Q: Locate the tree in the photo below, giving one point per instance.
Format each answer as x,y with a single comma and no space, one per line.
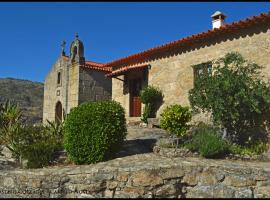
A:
237,97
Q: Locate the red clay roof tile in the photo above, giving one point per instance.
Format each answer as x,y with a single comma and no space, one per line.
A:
125,69
136,58
97,66
144,55
94,65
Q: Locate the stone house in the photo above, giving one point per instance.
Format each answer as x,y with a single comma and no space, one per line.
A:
72,81
171,67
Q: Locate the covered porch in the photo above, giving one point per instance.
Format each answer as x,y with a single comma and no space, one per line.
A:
127,82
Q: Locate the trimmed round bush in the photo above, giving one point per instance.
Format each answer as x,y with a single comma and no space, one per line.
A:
174,119
94,131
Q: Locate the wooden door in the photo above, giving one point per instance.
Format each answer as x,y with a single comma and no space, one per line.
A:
135,102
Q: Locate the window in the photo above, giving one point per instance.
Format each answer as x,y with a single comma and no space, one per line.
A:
59,78
202,70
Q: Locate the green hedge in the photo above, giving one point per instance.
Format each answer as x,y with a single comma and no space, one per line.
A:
94,131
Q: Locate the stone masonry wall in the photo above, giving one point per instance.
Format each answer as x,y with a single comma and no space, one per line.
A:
66,92
173,72
51,88
94,86
73,90
144,175
118,93
77,86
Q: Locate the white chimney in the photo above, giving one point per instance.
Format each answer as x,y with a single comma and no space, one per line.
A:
218,19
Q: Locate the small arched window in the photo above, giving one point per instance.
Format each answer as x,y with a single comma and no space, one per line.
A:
59,78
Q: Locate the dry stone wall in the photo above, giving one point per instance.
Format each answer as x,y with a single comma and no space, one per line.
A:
145,175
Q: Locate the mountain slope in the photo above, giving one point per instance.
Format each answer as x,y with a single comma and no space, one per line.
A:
28,95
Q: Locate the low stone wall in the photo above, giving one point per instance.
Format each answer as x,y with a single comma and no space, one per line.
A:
183,152
174,152
144,175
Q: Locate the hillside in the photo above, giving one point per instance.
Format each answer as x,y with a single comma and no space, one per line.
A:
28,95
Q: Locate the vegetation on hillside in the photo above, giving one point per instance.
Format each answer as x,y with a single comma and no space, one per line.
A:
27,94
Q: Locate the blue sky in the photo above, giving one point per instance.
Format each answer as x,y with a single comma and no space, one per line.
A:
31,33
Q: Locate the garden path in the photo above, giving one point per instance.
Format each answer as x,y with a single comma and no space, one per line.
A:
140,140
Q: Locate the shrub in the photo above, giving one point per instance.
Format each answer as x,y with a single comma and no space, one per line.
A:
150,94
37,145
34,143
255,149
174,119
39,154
10,125
207,142
237,98
152,98
56,131
94,131
146,113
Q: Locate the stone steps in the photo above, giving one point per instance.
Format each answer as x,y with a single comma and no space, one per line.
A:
133,121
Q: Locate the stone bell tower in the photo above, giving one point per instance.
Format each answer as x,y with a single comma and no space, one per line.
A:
76,62
72,81
77,51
